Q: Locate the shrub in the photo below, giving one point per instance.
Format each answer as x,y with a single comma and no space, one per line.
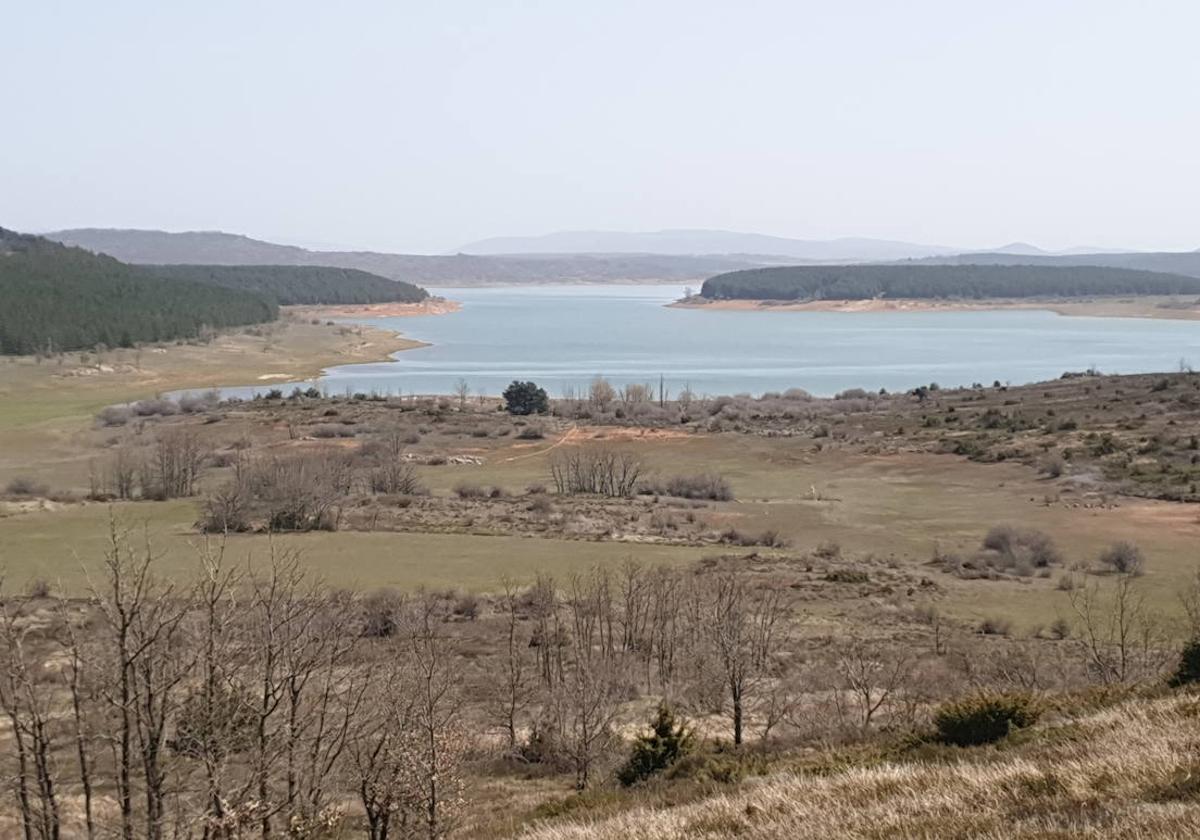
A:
1187,672
1021,546
114,415
197,403
769,538
984,719
523,398
847,576
466,490
531,433
995,627
23,485
38,588
1124,558
655,752
151,408
852,394
379,611
210,726
226,510
541,746
710,486
1053,466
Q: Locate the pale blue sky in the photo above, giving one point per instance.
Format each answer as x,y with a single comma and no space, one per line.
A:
420,126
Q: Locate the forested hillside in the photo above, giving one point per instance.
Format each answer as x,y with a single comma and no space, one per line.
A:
971,282
289,285
1172,262
60,298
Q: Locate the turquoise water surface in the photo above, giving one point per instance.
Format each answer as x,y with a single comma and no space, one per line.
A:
563,336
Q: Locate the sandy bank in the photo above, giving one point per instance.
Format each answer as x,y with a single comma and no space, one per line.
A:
1124,307
431,306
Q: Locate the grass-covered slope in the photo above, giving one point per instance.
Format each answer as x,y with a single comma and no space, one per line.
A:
289,285
923,282
1129,771
57,298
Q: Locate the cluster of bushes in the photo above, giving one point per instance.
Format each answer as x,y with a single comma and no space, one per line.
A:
596,471
1006,550
711,486
307,492
120,415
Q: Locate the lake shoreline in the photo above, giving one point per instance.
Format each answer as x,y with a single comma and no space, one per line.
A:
393,309
1124,307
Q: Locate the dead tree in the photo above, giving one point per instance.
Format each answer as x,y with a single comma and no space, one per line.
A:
439,746
585,701
514,671
871,678
1119,639
742,629
33,735
80,688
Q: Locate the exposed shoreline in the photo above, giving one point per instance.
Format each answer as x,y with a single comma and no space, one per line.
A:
429,306
1117,307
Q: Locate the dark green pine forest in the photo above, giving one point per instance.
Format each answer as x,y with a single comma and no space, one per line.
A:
951,282
54,297
290,285
57,298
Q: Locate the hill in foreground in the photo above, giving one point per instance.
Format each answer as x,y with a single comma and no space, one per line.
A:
59,298
1123,772
926,282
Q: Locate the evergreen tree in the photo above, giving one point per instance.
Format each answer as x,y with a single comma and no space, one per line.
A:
666,743
1188,670
525,398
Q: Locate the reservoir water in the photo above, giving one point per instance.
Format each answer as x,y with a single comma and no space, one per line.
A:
563,336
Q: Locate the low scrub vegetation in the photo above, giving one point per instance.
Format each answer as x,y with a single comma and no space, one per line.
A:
710,486
984,719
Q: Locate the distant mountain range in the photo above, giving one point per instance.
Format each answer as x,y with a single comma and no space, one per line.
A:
681,256
215,248
675,242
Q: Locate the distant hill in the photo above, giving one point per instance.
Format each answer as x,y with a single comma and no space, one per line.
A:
923,282
213,248
1172,262
54,297
704,242
298,284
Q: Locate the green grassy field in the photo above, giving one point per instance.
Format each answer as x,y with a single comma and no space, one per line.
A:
62,546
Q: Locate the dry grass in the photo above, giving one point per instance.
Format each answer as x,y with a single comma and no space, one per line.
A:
1127,772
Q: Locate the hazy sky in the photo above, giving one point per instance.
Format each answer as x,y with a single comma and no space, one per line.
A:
419,126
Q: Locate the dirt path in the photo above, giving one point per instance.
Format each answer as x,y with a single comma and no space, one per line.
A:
566,438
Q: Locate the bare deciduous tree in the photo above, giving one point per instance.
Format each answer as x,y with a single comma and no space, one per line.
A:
1120,639
742,630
